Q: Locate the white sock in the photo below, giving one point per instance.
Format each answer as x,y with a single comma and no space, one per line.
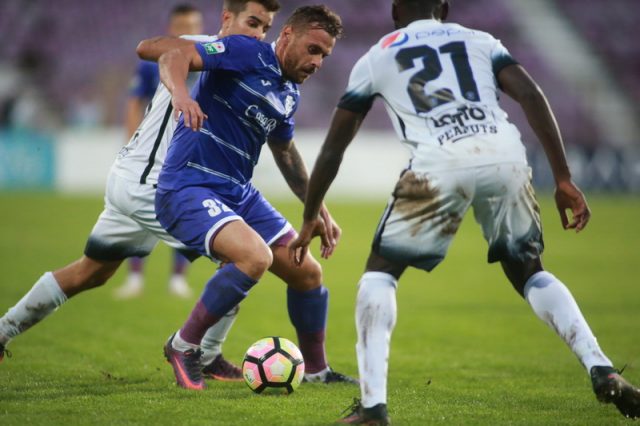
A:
215,336
375,319
44,297
179,344
317,377
553,303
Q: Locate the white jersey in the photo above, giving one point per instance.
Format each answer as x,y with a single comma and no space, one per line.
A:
142,158
438,81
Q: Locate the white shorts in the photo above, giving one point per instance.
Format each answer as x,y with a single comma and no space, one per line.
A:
426,210
128,226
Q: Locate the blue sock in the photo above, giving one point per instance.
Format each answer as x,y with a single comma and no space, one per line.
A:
308,309
308,314
226,289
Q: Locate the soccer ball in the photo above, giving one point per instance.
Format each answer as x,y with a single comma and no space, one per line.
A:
274,364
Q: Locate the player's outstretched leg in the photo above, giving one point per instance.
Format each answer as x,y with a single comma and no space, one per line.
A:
308,304
50,291
178,285
553,303
215,366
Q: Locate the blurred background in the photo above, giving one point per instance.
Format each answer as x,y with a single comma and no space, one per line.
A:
66,67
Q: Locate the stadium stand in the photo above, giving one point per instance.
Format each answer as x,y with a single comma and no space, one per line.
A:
90,49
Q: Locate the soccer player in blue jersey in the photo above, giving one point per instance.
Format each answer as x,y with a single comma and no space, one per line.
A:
184,19
128,224
246,96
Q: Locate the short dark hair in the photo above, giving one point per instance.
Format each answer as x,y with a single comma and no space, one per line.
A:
425,5
317,17
183,9
237,6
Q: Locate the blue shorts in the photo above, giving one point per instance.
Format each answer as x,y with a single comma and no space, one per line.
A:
194,215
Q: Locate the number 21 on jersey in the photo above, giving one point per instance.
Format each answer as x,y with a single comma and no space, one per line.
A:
432,69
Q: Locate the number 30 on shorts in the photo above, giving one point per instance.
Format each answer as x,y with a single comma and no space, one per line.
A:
215,207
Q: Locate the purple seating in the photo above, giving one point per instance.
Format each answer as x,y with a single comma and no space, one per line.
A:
90,46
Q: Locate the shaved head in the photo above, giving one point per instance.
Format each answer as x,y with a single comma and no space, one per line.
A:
406,11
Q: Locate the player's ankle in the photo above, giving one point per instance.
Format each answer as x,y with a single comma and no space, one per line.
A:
181,345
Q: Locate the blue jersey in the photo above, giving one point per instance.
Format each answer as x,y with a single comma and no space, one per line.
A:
145,81
247,101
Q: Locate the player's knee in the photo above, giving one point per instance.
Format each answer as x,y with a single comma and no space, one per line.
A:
518,271
256,262
312,276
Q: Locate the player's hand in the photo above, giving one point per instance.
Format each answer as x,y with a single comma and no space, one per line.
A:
333,232
300,246
191,112
569,197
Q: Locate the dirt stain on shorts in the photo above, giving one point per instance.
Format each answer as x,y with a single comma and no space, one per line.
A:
417,201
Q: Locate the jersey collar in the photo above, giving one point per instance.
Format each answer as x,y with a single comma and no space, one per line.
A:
420,22
279,69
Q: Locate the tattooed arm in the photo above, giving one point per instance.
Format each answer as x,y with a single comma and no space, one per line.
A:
294,170
291,166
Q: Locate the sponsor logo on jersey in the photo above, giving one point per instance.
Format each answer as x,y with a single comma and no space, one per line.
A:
289,103
461,116
463,122
267,124
396,39
214,48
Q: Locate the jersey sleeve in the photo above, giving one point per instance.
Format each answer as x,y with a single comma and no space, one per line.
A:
500,58
145,81
200,38
233,53
360,94
284,131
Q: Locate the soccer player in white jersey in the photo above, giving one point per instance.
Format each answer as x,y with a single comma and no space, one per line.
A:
440,84
184,19
128,226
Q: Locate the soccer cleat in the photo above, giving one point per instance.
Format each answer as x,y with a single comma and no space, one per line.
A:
179,287
186,366
223,370
611,388
3,351
330,377
358,415
335,377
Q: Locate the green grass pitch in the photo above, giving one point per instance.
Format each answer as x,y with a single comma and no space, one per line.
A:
466,349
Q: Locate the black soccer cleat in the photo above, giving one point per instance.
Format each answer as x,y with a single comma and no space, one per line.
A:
332,377
223,370
4,351
358,415
611,388
335,377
